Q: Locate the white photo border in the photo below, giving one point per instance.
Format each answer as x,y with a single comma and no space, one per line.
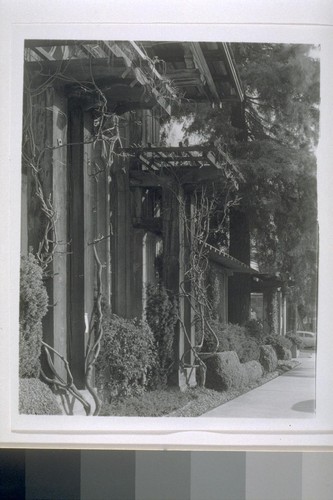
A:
160,433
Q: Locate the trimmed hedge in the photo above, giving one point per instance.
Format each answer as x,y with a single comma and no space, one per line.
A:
33,307
232,338
268,358
224,371
280,344
127,357
36,398
253,371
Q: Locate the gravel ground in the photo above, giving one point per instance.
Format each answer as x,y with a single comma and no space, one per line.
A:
209,399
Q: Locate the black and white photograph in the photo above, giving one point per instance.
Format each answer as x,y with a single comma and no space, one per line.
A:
169,229
166,228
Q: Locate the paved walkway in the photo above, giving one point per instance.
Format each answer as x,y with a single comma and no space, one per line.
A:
292,395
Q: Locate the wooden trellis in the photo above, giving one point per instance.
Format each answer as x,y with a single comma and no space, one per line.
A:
191,164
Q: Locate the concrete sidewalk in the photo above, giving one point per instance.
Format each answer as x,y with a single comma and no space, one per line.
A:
291,395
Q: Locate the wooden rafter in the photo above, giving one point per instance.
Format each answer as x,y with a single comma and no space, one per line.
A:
233,71
203,67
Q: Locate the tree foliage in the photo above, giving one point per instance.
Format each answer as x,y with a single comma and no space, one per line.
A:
281,83
272,136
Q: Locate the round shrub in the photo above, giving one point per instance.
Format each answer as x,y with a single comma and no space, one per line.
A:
36,398
126,358
162,316
251,350
253,370
279,343
268,358
33,307
223,371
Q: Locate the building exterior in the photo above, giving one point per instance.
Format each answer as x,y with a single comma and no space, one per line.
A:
103,201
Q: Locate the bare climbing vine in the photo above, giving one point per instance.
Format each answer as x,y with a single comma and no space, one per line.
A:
106,134
195,288
106,137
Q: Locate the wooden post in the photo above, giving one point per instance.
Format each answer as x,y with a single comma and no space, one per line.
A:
174,269
90,223
188,320
59,190
49,128
76,222
121,241
284,313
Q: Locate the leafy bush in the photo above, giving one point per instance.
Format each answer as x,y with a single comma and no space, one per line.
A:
36,398
255,329
127,357
268,358
232,338
33,307
279,343
162,315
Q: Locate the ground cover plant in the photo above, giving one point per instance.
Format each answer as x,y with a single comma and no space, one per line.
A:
193,402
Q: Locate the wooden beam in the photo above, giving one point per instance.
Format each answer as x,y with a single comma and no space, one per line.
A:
233,71
95,50
54,42
193,175
82,69
44,54
201,63
148,179
168,149
152,68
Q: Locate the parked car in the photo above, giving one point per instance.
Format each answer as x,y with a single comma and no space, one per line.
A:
309,339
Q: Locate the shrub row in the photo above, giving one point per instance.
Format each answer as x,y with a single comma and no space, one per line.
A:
232,338
246,340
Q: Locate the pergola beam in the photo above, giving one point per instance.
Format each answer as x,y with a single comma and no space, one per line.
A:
204,68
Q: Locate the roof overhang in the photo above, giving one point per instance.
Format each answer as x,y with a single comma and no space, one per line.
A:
166,71
227,261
